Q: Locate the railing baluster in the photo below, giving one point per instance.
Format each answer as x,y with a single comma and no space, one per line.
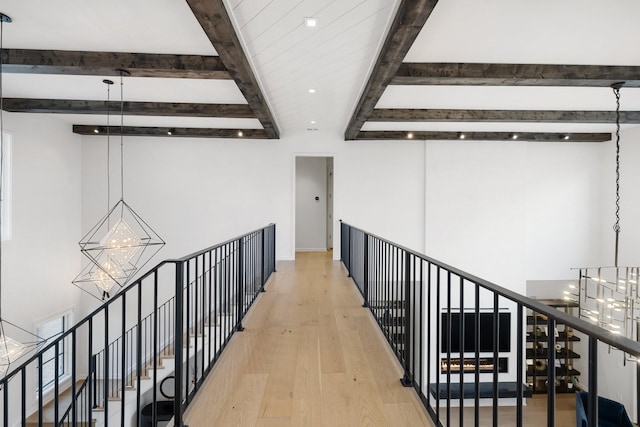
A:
56,384
5,403
240,285
592,400
123,358
105,380
407,380
551,372
462,350
178,357
476,403
496,343
438,338
449,344
23,375
519,364
365,279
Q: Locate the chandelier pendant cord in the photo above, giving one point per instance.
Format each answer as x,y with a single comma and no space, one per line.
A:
108,83
616,227
121,135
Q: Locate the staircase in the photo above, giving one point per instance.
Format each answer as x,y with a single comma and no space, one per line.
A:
119,354
118,409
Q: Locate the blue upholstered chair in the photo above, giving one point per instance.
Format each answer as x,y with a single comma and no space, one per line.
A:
610,412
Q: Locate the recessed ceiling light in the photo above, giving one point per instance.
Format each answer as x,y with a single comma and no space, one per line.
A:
566,137
96,131
312,90
313,122
514,136
462,136
311,22
410,135
240,133
169,132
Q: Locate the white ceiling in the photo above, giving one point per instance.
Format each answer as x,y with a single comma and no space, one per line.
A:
335,58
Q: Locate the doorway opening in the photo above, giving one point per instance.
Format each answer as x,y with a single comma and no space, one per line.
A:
314,204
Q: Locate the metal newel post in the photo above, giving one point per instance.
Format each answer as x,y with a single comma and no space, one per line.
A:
273,250
262,261
407,379
177,344
365,273
240,288
349,252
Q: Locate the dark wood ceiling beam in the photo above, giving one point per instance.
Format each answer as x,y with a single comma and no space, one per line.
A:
171,132
106,64
214,20
483,136
406,26
472,74
441,115
177,109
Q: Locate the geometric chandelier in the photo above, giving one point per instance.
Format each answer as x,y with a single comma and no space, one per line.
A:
608,296
121,243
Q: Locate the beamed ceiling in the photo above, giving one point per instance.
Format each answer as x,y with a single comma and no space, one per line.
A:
381,69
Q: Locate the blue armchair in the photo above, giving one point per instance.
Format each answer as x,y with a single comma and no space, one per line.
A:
610,412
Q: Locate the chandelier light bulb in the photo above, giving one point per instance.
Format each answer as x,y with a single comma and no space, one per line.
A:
10,349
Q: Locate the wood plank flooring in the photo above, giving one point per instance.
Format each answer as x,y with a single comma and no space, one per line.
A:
310,355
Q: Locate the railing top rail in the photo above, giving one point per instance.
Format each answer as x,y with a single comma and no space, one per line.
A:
116,297
622,343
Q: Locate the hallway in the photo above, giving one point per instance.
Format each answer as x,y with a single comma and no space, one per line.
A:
310,355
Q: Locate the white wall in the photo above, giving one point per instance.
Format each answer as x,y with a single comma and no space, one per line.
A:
476,209
311,214
43,257
196,192
564,208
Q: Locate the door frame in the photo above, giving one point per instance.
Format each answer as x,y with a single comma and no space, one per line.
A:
336,223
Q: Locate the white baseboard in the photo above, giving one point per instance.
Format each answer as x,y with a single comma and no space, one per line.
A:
311,249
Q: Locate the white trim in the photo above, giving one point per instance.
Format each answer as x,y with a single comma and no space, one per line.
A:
311,249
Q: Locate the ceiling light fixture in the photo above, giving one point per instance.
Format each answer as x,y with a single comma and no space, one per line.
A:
566,137
462,136
612,293
312,90
240,133
10,348
410,135
514,136
311,22
313,122
127,241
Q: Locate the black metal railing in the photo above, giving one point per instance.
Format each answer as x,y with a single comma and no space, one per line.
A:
462,341
83,404
180,314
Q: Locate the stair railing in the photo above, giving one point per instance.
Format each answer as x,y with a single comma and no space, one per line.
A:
206,296
418,303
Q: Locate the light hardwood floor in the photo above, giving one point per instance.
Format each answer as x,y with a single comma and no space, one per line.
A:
310,355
